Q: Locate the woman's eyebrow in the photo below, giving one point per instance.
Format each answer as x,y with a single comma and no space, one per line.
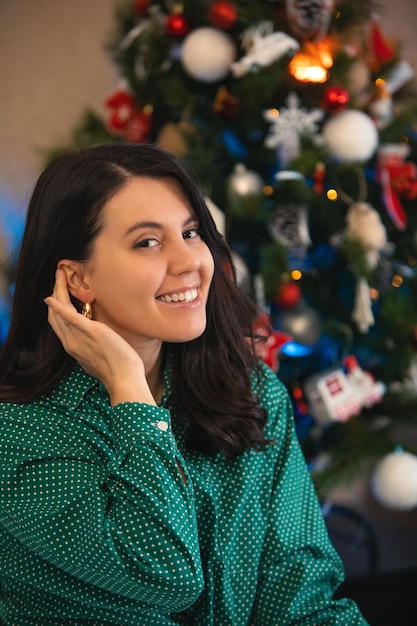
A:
139,225
145,224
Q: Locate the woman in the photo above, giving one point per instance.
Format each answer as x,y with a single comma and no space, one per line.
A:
150,473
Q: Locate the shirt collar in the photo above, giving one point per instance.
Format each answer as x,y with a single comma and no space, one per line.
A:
73,388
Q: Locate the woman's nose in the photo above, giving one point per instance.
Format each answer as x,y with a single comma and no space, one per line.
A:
184,257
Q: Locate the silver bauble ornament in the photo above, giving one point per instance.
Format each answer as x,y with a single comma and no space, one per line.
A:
244,190
243,182
302,322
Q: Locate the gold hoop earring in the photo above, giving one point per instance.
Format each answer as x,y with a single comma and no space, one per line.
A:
87,311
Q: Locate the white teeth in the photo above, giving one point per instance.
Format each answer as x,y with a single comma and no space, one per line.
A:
183,296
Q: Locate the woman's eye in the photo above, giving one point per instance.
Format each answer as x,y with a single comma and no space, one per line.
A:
191,233
146,243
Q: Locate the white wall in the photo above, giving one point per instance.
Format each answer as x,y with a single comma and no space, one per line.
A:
53,65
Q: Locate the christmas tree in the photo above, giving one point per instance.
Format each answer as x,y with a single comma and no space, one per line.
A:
298,119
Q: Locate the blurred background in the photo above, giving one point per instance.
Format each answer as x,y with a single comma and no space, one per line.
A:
54,65
300,119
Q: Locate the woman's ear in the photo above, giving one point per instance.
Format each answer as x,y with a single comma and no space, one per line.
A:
77,282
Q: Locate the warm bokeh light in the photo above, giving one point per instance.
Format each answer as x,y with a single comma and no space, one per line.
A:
272,113
296,274
397,280
312,62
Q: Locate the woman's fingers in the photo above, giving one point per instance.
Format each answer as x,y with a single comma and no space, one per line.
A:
66,323
63,315
60,291
61,311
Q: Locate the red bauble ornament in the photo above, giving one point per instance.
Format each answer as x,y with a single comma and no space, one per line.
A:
176,25
335,98
288,295
142,7
138,127
127,119
222,14
121,105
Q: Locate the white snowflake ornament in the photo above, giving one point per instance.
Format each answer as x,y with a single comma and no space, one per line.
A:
287,127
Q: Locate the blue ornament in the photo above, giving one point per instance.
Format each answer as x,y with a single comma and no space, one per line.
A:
234,145
294,349
324,256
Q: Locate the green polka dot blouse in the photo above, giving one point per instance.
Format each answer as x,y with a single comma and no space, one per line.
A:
98,527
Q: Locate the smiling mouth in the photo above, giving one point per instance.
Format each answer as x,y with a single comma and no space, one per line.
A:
182,296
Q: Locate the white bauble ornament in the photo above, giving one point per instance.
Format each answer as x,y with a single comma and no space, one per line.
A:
350,136
207,54
394,481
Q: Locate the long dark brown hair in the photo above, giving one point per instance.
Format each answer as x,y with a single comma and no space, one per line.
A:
210,375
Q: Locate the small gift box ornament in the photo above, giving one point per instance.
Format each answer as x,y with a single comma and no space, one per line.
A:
339,394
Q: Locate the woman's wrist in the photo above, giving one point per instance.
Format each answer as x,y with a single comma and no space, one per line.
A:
130,391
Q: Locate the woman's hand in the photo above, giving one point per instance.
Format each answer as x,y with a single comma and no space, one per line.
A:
100,350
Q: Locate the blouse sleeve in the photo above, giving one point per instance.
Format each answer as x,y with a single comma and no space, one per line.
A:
113,511
299,569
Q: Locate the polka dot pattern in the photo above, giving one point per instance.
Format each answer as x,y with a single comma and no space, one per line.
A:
97,525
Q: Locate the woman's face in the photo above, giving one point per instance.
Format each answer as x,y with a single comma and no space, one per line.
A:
150,272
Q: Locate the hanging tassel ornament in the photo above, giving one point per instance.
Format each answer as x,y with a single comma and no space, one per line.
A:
362,312
363,224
